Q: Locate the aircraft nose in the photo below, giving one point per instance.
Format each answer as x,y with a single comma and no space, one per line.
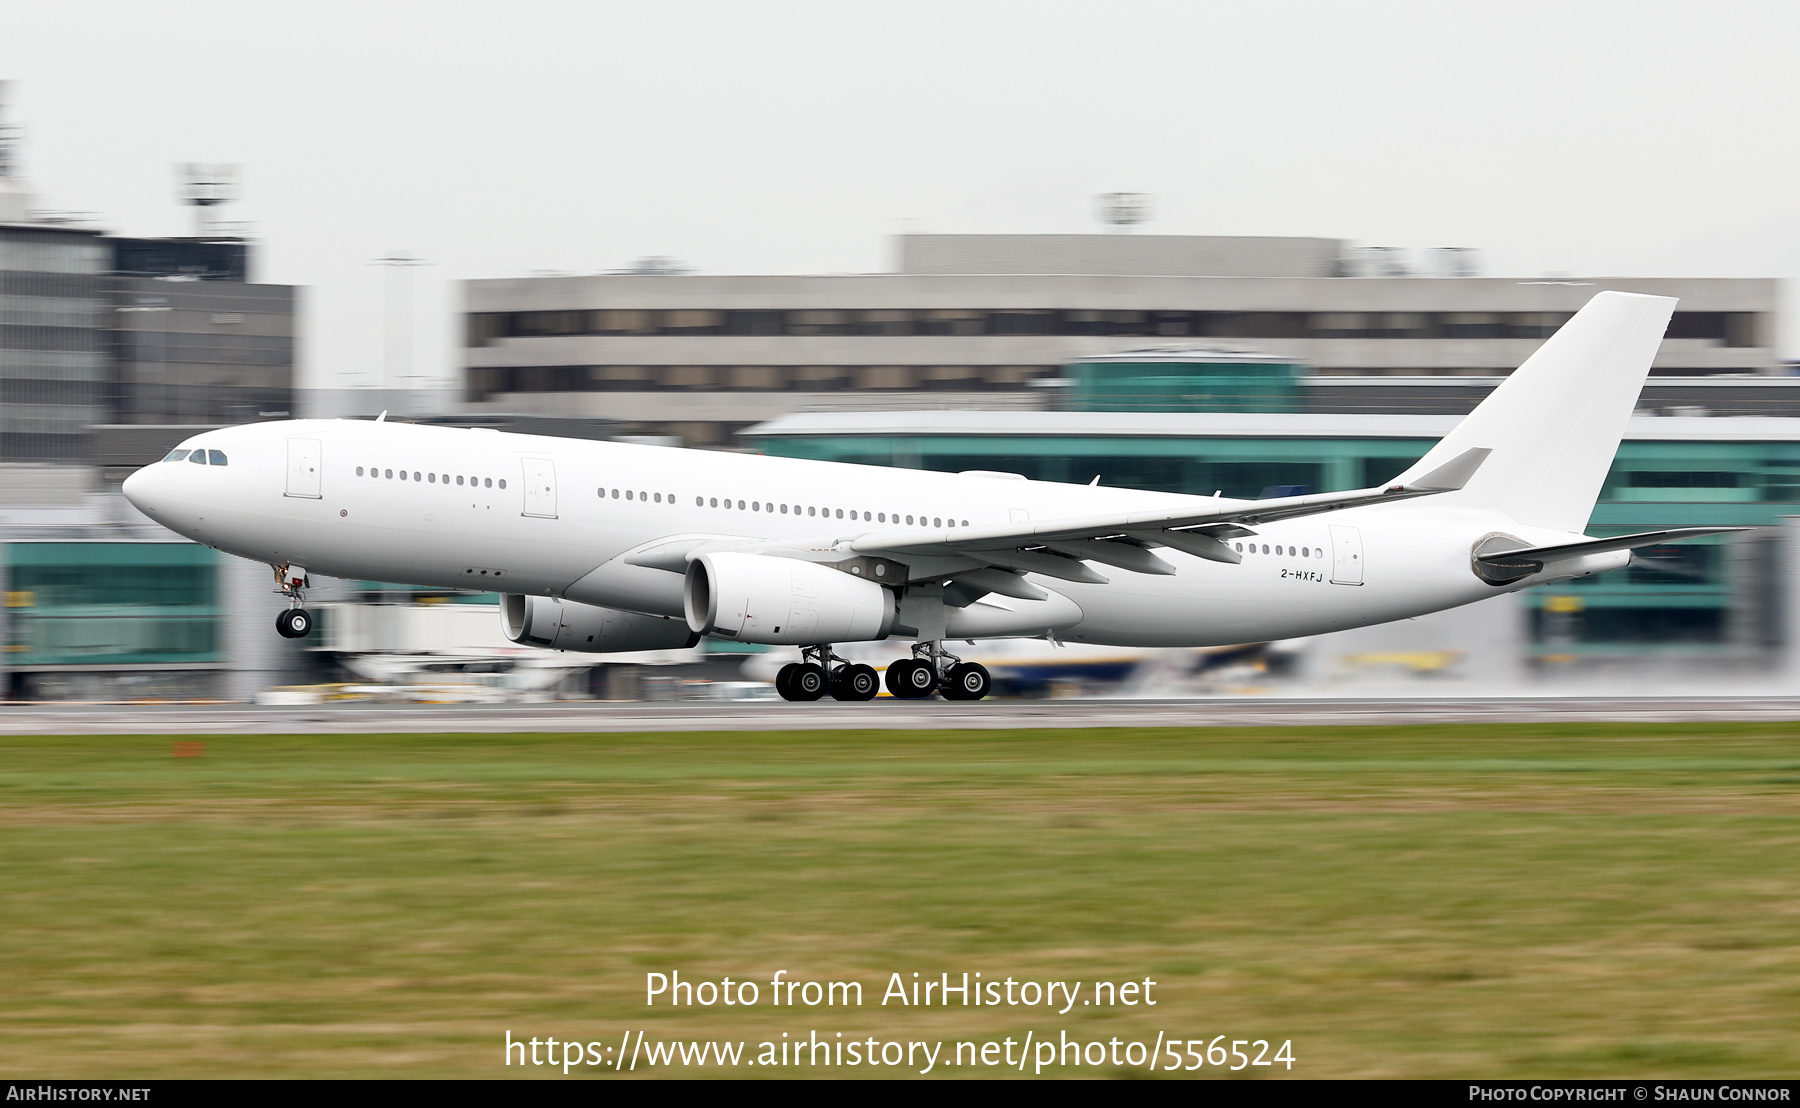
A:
140,490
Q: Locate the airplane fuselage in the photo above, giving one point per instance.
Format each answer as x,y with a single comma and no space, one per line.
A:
480,509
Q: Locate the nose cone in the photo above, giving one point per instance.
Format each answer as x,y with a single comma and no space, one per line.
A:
141,490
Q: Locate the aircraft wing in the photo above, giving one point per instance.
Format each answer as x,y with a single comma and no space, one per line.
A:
1058,547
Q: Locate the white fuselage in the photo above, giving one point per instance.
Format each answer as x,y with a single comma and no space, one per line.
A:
480,509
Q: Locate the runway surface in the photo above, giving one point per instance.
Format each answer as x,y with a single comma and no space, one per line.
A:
40,719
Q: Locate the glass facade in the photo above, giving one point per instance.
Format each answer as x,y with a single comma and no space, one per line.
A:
1711,595
113,604
1171,383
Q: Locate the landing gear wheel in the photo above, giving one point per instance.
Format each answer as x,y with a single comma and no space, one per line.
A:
854,682
911,679
807,683
784,681
967,681
295,623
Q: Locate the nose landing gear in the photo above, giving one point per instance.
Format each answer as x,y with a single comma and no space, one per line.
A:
296,622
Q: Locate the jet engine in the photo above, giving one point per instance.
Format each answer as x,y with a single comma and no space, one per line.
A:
566,625
783,601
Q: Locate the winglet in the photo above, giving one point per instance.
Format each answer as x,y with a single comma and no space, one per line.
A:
1453,474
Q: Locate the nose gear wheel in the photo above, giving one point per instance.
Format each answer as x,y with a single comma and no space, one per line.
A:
296,622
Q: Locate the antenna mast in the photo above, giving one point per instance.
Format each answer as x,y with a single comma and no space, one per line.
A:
204,187
1121,211
8,135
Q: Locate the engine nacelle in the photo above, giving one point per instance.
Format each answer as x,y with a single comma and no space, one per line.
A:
783,601
566,625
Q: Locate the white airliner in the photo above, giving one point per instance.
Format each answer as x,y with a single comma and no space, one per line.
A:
604,547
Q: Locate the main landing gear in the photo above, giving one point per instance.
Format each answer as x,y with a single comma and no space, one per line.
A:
930,669
296,622
820,671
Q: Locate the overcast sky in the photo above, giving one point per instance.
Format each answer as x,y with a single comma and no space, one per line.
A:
500,139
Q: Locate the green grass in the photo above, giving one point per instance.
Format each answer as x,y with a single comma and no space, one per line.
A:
1567,900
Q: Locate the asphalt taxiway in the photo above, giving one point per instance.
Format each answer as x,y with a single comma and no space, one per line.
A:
592,716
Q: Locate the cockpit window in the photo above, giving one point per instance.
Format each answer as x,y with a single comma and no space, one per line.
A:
198,457
176,455
217,457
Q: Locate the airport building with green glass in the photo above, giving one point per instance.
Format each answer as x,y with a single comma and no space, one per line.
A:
1714,603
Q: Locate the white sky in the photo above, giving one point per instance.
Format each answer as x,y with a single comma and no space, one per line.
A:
499,139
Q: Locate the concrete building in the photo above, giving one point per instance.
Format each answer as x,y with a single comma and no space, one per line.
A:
85,346
54,350
111,350
102,604
978,320
99,329
193,339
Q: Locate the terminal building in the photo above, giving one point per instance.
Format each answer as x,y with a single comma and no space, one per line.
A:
1192,364
983,321
98,331
112,349
1713,604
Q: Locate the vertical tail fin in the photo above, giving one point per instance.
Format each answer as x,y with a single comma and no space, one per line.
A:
1553,426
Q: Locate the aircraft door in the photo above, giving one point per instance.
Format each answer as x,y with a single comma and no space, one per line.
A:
540,488
303,468
1346,555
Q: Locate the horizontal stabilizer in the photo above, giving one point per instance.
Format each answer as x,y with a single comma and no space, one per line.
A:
1507,558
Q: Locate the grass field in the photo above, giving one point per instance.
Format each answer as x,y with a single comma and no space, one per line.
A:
1571,900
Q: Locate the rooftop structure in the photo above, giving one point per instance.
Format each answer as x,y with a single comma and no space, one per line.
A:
975,320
